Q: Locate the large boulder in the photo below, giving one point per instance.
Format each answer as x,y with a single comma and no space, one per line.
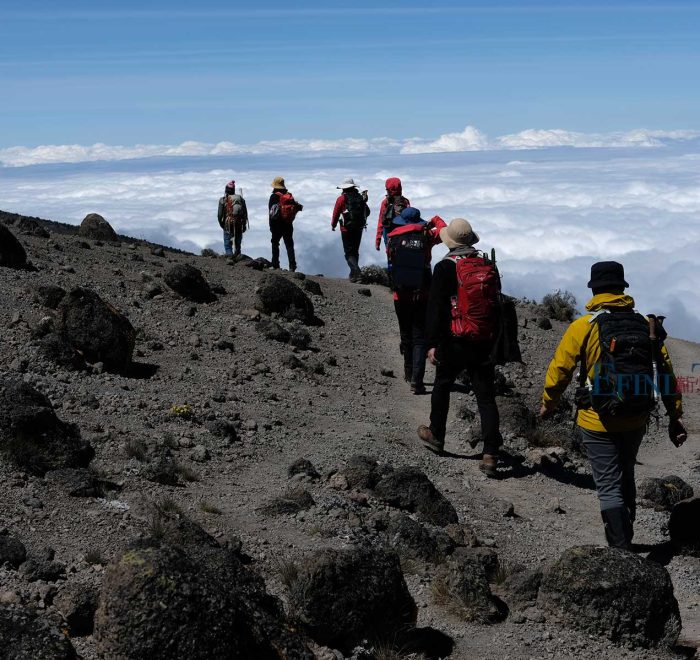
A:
342,597
99,331
77,602
12,254
663,493
684,526
374,275
12,550
612,593
32,437
94,226
31,227
413,540
26,636
189,282
410,489
182,596
277,294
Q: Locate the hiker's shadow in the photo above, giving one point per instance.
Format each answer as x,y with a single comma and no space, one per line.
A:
661,553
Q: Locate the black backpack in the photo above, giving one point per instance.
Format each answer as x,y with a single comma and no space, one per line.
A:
354,216
623,381
409,271
394,206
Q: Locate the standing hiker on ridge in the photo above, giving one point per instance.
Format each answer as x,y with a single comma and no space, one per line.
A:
410,242
351,211
283,209
391,207
233,218
463,325
618,348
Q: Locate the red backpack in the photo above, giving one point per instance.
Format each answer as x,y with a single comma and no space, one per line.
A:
475,307
288,207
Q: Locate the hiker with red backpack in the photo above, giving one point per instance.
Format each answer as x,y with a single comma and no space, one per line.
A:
462,328
624,368
351,212
233,219
410,242
283,209
392,206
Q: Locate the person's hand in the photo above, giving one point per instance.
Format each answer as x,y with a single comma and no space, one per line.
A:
431,357
544,412
332,227
677,432
377,246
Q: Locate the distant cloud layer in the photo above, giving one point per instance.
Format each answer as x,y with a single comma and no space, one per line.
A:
549,212
470,139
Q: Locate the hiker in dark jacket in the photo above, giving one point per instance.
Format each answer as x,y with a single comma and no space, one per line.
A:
613,440
283,210
410,303
351,211
452,355
233,218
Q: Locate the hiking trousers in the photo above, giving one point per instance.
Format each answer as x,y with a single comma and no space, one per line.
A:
282,230
411,314
233,238
454,358
612,457
351,246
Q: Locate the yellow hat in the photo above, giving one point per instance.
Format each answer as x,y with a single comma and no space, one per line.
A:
278,182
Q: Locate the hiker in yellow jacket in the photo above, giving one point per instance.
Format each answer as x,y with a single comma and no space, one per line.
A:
618,348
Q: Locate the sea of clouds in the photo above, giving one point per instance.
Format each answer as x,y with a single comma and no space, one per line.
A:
551,202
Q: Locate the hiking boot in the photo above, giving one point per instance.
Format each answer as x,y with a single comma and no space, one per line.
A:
427,437
488,465
418,388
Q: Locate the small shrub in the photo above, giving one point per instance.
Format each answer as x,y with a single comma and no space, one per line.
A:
288,573
94,557
210,508
136,448
208,252
170,441
184,411
186,472
168,506
292,501
560,305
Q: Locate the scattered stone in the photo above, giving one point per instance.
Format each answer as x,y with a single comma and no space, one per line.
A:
96,329
683,527
189,282
544,323
387,373
223,428
43,568
343,597
554,506
462,535
200,454
12,551
12,254
375,275
77,602
314,288
26,636
365,292
31,435
49,295
504,508
293,501
362,472
57,348
613,593
94,226
278,295
521,587
410,489
305,467
31,227
662,494
414,540
338,481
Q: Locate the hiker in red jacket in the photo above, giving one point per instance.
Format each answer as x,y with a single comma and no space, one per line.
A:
409,249
391,207
351,211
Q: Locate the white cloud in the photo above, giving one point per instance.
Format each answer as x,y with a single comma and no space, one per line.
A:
470,139
549,215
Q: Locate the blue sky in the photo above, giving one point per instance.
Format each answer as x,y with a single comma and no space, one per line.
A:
156,72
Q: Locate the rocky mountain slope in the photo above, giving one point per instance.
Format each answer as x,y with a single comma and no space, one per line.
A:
233,471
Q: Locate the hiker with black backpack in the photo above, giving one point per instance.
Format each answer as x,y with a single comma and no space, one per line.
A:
392,206
233,219
624,367
283,209
351,212
462,329
409,249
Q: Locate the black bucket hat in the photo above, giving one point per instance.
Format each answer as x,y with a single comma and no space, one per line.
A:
606,274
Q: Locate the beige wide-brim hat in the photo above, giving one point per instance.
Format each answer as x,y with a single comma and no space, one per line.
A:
278,182
348,183
458,233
